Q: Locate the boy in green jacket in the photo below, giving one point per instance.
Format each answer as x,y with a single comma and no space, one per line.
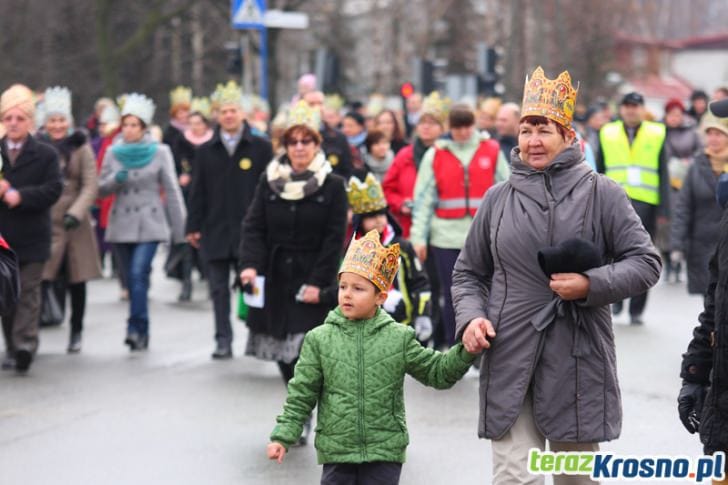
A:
353,366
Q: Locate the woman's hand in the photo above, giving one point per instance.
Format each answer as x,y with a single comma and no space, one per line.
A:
311,294
248,275
276,451
570,286
476,335
184,180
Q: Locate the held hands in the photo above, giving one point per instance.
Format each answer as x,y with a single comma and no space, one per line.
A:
476,335
690,405
276,451
4,187
570,286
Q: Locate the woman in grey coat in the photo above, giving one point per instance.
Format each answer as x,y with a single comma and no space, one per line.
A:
148,207
696,217
548,371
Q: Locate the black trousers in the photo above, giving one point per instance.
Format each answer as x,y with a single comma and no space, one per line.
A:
375,473
218,274
648,215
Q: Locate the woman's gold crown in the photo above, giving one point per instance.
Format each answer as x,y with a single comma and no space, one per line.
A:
367,258
437,106
552,98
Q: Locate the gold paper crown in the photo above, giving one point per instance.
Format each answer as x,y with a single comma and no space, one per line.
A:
333,102
229,93
365,197
303,114
180,95
552,98
201,105
367,257
436,106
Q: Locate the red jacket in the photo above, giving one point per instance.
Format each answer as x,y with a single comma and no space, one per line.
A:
399,186
460,193
104,204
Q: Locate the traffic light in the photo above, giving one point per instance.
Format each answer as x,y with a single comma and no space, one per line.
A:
234,58
489,71
424,75
406,90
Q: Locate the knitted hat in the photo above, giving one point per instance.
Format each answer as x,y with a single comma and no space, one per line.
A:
711,121
17,96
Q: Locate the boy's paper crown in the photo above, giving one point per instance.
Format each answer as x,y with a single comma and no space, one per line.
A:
552,98
365,197
367,257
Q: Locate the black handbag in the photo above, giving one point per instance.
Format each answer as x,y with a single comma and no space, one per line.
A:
51,312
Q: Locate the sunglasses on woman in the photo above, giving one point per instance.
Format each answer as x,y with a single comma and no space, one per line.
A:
302,141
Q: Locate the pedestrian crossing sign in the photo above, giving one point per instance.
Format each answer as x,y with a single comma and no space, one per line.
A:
248,14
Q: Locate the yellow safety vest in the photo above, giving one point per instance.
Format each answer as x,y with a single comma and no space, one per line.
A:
637,167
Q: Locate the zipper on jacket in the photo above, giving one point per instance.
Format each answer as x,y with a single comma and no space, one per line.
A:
467,190
360,339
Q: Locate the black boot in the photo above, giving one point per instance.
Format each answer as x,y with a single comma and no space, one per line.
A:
186,293
74,343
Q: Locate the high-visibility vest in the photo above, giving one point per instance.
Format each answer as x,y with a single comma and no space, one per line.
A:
459,191
635,167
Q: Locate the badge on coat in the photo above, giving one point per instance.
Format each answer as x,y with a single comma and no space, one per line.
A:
484,163
333,160
245,164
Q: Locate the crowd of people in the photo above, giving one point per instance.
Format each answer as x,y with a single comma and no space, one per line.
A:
509,231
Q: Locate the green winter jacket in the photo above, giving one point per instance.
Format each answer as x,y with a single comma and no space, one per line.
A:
355,370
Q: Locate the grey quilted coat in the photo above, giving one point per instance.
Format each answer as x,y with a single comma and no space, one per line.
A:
139,213
563,351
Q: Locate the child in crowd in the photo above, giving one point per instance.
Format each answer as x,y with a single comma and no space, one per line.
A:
408,301
353,366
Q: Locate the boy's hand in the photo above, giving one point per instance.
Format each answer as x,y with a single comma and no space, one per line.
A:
476,335
276,451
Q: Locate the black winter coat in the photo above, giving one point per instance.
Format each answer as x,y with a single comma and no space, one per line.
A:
336,149
222,188
706,361
293,243
176,141
36,174
694,225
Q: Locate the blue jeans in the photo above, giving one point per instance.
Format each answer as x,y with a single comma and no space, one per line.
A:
136,258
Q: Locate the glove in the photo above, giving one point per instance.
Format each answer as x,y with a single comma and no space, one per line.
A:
70,222
676,257
423,328
121,176
690,405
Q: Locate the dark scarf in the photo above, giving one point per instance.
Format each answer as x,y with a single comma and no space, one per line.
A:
66,146
419,150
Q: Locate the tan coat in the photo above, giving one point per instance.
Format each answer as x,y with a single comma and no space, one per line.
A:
77,245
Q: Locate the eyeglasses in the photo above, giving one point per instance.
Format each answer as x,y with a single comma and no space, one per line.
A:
302,141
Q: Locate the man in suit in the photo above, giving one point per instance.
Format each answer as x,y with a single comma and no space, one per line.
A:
30,184
225,173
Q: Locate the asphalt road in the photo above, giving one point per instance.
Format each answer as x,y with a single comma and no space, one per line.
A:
173,416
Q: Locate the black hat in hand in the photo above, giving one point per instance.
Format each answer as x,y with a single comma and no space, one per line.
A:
571,256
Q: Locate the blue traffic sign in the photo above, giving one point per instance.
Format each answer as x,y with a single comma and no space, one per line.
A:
248,14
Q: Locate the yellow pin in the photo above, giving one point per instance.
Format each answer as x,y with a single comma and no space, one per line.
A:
245,164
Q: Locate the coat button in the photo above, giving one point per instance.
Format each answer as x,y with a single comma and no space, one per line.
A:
136,209
293,208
